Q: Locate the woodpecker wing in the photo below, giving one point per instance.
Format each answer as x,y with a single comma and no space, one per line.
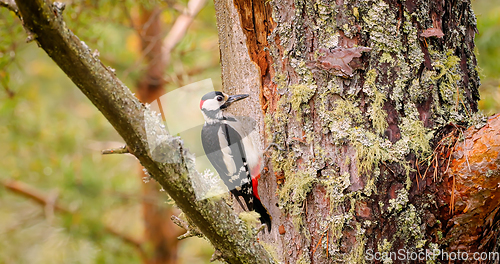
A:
224,148
246,127
233,154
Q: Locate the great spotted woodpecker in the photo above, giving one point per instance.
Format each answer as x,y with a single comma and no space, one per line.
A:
232,152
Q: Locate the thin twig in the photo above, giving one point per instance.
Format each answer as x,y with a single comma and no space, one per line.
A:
436,168
120,150
466,156
174,36
35,195
449,158
191,230
452,199
418,171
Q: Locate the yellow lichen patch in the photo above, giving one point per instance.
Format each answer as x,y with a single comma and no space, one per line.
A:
335,187
369,152
301,94
377,114
417,136
271,249
250,218
293,193
449,75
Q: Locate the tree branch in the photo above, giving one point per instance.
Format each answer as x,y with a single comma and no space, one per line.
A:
190,230
120,150
35,195
173,37
129,117
48,201
11,5
179,28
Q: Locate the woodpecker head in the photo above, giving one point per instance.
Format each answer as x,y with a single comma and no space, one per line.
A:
212,104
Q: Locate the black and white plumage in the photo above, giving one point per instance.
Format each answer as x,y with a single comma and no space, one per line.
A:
232,152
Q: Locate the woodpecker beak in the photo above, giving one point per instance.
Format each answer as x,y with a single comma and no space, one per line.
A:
233,98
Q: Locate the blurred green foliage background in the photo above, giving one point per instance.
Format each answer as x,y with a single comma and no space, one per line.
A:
488,53
51,135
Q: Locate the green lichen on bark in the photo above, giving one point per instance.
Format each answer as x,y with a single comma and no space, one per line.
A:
447,77
397,204
251,219
380,113
410,227
304,258
381,24
358,254
326,25
377,115
335,186
293,193
301,94
271,249
384,247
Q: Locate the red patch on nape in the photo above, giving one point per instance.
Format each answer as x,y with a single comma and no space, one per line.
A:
201,103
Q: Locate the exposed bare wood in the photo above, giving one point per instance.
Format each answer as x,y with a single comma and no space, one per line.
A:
474,180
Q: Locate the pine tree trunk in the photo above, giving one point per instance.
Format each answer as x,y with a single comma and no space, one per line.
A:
360,95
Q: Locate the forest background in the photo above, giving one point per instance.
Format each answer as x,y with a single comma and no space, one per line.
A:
51,136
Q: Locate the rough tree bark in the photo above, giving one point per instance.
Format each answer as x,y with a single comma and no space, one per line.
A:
371,100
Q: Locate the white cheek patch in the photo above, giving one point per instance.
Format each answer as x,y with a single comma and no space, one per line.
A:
211,105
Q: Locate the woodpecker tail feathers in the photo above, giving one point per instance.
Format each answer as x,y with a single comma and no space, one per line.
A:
265,217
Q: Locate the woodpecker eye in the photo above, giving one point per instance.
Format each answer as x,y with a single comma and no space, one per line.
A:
219,98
